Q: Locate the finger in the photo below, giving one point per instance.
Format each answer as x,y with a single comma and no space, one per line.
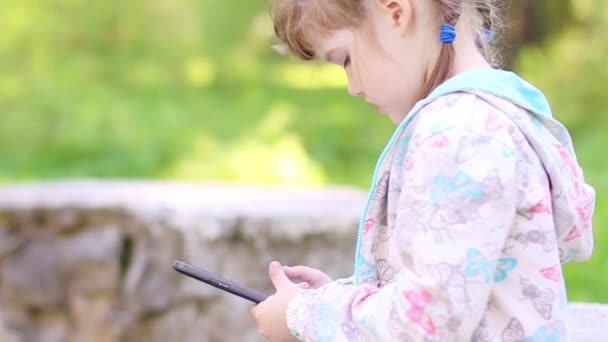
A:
296,271
304,285
277,275
302,273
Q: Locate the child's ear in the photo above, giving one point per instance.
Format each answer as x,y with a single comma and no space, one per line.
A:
400,12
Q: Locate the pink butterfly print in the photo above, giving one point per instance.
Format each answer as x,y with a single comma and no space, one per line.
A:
583,203
369,224
438,140
543,206
419,302
366,292
492,123
569,160
552,273
409,164
574,233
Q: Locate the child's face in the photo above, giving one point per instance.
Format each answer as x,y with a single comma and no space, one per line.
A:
384,62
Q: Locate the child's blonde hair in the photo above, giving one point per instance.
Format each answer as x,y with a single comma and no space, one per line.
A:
296,22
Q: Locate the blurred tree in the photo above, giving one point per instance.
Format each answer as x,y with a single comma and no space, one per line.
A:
534,22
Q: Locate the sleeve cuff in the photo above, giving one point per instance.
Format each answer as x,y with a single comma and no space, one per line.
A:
295,315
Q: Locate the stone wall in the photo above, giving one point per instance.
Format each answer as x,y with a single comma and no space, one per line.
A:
91,260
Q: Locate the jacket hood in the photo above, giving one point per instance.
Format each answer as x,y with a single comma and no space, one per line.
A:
573,200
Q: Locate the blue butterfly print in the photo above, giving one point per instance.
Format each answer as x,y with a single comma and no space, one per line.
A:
367,269
326,331
543,334
508,152
364,268
402,150
440,127
461,184
492,270
369,322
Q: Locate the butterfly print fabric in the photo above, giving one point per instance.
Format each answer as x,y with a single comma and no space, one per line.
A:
478,202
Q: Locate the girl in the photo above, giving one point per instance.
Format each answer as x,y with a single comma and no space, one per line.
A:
476,201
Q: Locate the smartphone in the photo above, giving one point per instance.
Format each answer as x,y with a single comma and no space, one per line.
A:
219,282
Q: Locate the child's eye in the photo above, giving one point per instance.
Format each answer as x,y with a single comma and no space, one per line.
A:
346,61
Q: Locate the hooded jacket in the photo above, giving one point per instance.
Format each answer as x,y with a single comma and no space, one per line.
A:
476,202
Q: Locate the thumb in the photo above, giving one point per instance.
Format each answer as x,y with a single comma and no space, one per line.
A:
277,275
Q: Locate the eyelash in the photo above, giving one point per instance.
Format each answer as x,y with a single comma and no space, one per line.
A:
346,61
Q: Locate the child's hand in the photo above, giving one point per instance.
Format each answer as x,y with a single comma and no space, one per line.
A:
270,314
310,277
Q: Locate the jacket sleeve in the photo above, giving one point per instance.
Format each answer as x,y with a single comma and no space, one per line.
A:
455,210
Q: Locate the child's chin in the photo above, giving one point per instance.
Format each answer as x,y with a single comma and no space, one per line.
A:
395,118
381,111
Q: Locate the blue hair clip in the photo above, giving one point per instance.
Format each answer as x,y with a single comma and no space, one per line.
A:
489,35
448,33
486,37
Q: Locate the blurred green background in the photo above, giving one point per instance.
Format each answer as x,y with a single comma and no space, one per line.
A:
190,89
